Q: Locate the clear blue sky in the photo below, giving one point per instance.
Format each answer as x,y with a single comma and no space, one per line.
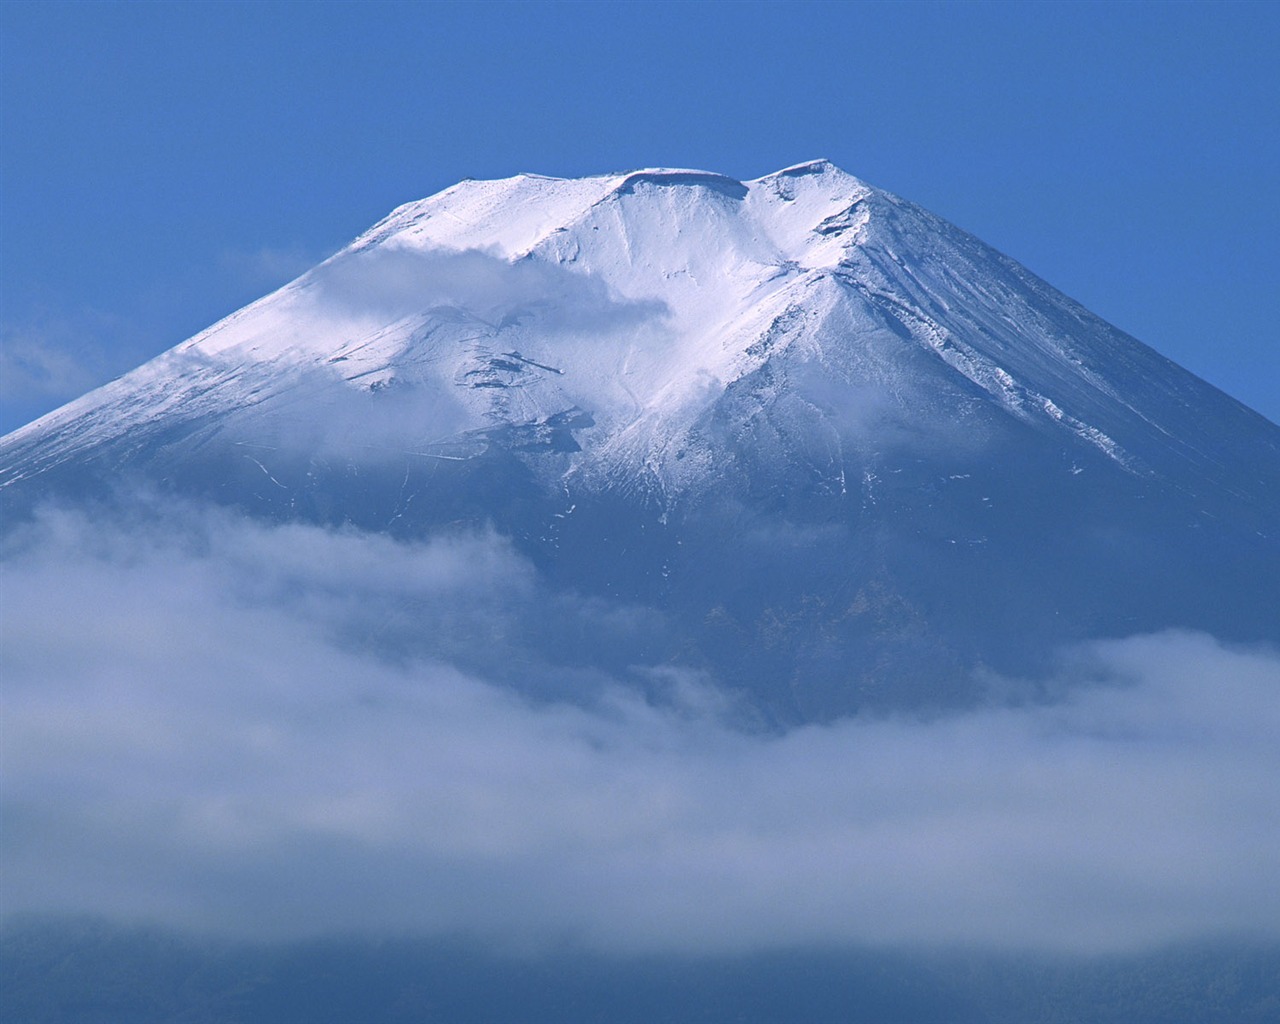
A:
163,164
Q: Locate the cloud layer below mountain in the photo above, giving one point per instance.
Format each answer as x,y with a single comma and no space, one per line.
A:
218,725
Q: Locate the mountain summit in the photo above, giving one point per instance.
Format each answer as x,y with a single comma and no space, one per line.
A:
839,452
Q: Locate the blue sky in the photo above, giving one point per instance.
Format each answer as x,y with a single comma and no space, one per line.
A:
163,164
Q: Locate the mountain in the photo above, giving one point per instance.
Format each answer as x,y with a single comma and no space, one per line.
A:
838,452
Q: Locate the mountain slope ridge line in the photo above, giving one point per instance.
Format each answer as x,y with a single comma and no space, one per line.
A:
797,399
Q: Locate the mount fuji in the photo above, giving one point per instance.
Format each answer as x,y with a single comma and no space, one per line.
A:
835,452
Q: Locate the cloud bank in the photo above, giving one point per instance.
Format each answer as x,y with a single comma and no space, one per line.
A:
218,725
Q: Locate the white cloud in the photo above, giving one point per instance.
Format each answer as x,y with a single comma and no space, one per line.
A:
49,359
271,266
395,282
52,356
201,728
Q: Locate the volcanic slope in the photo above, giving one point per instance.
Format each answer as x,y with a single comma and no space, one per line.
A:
843,453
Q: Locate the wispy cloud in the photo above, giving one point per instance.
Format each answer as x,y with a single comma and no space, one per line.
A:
393,282
270,266
208,726
51,359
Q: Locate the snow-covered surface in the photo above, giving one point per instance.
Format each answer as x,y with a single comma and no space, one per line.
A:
629,306
794,432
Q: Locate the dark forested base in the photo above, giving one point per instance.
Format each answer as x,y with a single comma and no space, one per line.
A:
88,972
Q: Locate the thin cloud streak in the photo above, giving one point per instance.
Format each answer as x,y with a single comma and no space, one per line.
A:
203,731
49,359
390,282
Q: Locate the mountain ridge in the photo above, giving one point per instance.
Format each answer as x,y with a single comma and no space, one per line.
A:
842,239
794,400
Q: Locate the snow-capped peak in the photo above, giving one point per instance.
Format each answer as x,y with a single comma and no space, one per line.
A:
643,305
